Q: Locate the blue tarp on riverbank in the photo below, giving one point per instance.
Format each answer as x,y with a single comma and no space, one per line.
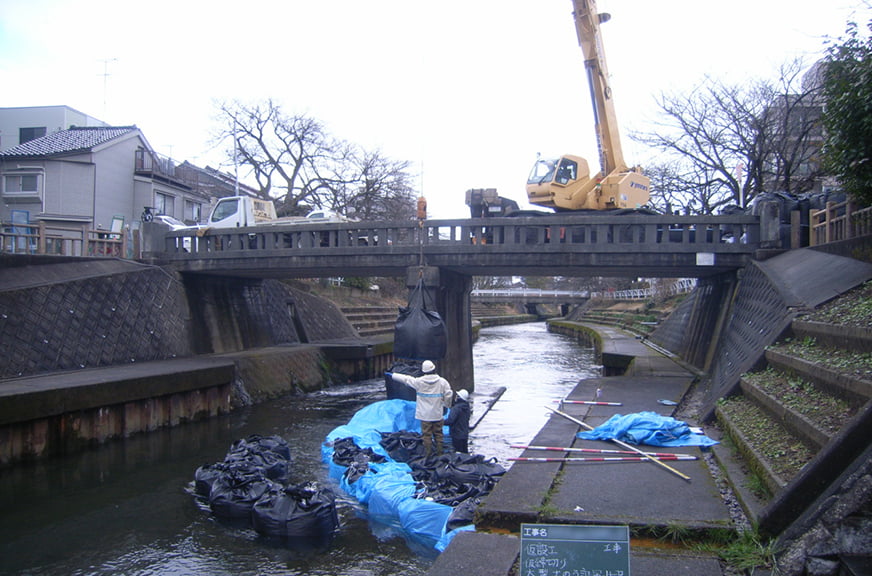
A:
647,428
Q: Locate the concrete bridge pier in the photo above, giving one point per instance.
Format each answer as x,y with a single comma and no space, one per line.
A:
451,293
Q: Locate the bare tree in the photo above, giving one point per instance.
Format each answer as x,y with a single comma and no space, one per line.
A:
286,155
726,144
370,186
297,164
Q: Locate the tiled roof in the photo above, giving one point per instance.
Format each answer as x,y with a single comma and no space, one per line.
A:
67,141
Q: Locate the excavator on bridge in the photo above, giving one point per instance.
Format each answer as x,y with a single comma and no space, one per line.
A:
566,183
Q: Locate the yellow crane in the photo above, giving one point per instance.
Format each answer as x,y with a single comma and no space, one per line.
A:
566,183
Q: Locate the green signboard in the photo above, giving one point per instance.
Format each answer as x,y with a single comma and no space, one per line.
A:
574,550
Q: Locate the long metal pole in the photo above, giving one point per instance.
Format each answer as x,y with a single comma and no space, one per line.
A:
596,451
602,459
623,444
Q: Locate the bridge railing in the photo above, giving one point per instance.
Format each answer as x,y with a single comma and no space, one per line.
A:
530,292
649,233
839,221
41,238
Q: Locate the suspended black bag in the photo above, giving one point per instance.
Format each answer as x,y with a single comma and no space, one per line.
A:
420,332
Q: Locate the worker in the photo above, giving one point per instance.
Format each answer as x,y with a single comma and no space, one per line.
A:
458,422
432,395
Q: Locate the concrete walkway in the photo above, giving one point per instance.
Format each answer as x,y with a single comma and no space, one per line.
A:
642,495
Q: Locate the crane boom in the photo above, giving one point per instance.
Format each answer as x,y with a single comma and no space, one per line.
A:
566,183
587,22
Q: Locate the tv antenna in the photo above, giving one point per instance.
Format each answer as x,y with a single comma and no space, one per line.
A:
105,76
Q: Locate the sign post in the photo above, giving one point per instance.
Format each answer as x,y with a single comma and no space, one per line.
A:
574,549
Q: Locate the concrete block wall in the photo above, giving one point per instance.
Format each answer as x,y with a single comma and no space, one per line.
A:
97,321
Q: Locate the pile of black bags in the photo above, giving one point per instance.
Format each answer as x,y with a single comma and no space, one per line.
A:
253,483
448,478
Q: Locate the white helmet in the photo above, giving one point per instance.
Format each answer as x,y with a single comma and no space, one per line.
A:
463,394
427,367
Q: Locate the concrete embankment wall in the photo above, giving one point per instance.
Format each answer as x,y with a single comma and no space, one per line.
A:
725,325
73,332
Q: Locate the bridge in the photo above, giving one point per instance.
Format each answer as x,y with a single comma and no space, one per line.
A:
559,245
530,296
536,296
446,254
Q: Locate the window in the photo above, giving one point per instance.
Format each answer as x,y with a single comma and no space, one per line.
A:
163,203
28,134
22,183
193,211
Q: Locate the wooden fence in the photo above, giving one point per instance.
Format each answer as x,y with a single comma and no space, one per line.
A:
839,221
40,238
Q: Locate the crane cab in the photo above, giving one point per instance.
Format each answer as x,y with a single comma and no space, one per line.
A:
565,183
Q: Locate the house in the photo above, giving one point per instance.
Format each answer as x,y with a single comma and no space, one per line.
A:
92,176
21,124
213,183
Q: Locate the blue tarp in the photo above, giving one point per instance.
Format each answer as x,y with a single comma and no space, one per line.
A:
387,488
647,428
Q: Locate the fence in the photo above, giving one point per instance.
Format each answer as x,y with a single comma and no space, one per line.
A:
839,221
41,238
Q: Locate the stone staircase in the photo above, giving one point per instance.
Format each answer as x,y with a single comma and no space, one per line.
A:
370,321
798,432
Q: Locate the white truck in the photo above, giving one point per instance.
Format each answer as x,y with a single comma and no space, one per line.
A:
240,211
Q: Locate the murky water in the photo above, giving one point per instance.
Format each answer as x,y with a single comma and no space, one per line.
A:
125,508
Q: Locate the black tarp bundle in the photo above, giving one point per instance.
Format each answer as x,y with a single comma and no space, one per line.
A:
302,512
252,483
448,478
420,332
355,459
403,446
453,478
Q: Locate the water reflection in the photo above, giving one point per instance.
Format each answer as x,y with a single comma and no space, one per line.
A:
125,507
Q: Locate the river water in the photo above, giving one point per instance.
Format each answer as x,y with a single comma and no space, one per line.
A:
126,508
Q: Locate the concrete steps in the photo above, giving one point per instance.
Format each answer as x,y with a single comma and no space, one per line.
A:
371,320
797,425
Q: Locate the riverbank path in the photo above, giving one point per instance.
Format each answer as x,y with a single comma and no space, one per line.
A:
640,494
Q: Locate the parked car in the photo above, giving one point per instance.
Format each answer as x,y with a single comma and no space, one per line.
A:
176,224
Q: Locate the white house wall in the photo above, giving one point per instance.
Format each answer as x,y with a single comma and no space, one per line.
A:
114,182
69,189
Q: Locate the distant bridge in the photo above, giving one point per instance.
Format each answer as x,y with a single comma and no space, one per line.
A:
533,296
530,296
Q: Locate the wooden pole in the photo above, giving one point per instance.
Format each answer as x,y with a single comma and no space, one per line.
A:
623,444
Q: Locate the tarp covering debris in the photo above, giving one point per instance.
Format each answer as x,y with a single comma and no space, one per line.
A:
419,496
647,428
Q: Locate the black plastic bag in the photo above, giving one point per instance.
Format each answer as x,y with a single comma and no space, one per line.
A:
394,389
234,493
463,515
403,446
420,332
302,512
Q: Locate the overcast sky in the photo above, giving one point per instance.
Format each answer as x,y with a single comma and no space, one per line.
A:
467,90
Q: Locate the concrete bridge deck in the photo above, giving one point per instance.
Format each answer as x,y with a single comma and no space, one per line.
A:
565,244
